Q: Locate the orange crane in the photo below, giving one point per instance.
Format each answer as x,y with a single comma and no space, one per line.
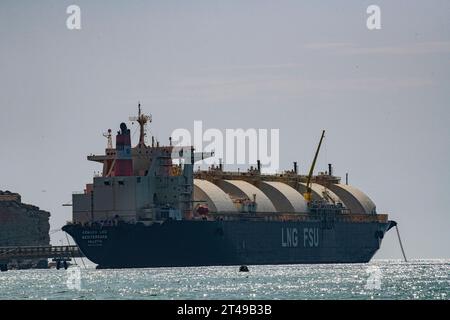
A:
307,194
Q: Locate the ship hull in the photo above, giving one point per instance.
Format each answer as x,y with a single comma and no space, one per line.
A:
208,243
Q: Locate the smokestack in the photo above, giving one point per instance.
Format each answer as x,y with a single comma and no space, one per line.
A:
153,141
330,169
170,141
346,178
259,165
295,167
220,164
124,163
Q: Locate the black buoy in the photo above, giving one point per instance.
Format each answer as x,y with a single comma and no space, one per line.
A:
58,265
65,265
243,269
3,267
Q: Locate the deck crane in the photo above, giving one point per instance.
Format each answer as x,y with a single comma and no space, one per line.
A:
307,194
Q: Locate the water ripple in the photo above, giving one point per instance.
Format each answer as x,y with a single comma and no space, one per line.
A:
420,279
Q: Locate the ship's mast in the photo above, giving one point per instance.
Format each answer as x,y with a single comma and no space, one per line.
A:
142,119
108,136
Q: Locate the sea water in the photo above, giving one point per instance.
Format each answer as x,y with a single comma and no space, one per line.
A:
380,279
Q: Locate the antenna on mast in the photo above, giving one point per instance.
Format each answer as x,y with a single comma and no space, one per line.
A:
108,136
142,119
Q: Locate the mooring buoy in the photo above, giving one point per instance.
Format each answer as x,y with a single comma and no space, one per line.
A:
243,269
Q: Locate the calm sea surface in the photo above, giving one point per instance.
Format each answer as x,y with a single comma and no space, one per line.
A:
381,279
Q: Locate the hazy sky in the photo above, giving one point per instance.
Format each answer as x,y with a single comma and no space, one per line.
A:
300,66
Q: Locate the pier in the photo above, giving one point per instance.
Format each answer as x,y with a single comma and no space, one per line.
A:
59,254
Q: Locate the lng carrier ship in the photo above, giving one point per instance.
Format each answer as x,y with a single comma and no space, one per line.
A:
146,210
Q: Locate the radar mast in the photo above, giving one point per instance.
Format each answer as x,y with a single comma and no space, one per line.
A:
142,119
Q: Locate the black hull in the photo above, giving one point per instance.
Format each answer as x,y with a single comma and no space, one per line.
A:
209,243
